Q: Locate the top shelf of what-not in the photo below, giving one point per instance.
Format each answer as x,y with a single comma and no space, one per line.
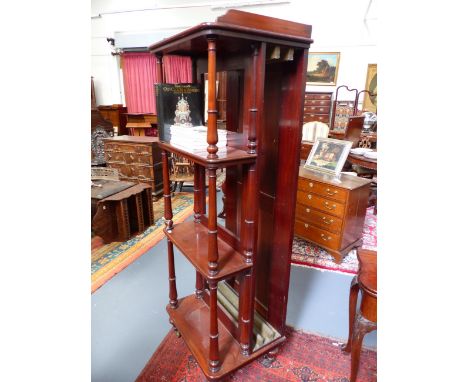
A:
232,150
236,25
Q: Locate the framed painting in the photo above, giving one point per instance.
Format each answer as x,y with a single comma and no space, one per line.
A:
322,68
370,103
328,155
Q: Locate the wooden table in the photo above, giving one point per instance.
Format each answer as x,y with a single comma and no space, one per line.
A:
121,215
362,161
363,320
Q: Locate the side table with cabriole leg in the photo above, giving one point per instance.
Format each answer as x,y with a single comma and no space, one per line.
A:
365,319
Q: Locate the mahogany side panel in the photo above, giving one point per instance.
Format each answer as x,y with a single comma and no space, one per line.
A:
289,142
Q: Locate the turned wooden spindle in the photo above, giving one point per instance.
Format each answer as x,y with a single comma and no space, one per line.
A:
252,136
214,334
249,213
212,137
199,285
212,224
169,225
166,191
246,313
196,194
172,277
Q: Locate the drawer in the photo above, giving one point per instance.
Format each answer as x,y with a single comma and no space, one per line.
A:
323,220
125,148
115,156
316,117
142,171
317,102
143,149
309,96
317,109
322,189
317,235
326,205
134,158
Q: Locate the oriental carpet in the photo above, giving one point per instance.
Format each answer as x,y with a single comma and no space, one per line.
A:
308,255
303,357
109,259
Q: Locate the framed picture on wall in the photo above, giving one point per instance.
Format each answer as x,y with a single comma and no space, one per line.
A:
328,155
322,68
370,103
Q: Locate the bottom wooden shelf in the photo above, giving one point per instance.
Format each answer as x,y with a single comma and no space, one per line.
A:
191,318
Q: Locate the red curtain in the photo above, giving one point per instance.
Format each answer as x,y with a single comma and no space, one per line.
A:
139,73
177,69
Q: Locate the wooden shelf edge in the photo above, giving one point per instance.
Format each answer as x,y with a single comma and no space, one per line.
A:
237,156
191,318
224,262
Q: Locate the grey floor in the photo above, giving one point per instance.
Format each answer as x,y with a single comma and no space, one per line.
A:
129,318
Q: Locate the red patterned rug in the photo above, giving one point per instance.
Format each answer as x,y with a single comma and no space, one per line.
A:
302,358
308,255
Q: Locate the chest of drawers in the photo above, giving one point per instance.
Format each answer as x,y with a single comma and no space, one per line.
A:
138,159
330,213
317,106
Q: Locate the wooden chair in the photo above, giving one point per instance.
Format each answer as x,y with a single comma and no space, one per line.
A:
313,130
181,171
365,319
354,129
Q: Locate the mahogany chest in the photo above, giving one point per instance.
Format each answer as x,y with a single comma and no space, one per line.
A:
138,159
330,212
317,106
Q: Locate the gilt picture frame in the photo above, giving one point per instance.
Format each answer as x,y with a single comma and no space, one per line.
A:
322,68
370,103
328,155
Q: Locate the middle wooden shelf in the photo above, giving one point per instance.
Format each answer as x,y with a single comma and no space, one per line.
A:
191,239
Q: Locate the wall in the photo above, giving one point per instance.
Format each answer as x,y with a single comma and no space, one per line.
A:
342,26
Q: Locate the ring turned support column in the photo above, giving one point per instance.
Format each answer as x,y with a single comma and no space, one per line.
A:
212,137
212,224
214,334
169,225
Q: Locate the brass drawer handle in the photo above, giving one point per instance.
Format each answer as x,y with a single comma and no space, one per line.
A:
325,237
330,208
311,184
330,221
307,209
331,193
309,196
306,225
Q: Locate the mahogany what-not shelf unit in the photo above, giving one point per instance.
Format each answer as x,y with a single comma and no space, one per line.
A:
238,310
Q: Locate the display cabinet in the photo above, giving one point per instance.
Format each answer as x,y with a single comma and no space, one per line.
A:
238,310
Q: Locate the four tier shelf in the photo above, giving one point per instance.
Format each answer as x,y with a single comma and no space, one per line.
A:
238,310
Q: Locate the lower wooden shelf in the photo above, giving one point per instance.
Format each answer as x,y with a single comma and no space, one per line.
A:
191,318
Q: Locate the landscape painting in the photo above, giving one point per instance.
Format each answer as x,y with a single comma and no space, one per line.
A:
322,68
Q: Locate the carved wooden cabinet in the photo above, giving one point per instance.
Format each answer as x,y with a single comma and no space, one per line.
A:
238,310
138,159
317,106
330,212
